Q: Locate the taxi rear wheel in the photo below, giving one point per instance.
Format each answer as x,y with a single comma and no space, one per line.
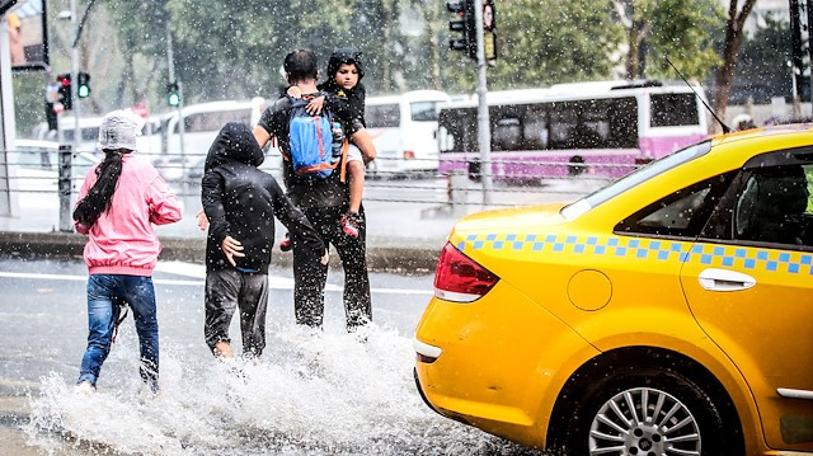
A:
645,411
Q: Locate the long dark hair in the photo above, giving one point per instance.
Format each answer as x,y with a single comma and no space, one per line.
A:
100,196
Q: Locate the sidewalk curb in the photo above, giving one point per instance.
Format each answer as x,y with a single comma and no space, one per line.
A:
402,256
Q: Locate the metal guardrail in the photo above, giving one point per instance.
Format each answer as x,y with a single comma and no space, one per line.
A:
453,188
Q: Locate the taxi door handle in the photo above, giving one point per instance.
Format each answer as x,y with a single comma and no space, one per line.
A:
714,279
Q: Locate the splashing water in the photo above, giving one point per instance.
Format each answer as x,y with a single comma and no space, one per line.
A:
312,392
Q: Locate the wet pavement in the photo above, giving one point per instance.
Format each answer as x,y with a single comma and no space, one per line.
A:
312,392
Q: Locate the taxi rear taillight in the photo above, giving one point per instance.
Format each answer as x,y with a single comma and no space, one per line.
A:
458,278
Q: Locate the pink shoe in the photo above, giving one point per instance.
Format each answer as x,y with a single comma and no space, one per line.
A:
350,223
286,244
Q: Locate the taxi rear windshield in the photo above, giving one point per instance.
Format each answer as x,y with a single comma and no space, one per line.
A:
620,186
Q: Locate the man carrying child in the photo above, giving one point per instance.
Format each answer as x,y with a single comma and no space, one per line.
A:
324,198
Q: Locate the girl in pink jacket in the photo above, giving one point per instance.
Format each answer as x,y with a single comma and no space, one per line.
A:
120,200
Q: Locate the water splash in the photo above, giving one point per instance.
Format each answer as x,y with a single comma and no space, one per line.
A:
312,392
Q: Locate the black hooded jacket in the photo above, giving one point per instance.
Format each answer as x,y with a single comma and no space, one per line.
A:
348,104
241,201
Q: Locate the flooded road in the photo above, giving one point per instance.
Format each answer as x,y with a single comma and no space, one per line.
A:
312,392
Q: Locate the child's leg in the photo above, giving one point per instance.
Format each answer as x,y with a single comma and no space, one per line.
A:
355,169
101,322
364,142
253,303
140,295
222,289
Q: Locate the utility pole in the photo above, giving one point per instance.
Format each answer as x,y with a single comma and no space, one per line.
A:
810,47
483,123
7,126
181,126
77,130
796,57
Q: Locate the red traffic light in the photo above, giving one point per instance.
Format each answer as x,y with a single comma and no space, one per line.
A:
64,79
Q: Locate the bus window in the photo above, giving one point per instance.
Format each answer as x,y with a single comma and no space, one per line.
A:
424,111
622,114
383,116
457,130
673,109
214,120
506,128
564,121
535,128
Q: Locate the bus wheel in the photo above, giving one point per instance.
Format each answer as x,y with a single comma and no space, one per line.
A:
576,166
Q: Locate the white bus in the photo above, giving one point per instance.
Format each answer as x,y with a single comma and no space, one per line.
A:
202,122
404,129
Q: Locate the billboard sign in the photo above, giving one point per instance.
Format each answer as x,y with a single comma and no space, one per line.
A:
28,35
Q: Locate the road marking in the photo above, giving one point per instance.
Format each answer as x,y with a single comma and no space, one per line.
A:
274,282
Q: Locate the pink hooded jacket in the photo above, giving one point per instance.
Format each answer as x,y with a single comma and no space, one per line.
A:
123,241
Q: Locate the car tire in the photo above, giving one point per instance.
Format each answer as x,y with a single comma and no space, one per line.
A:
587,429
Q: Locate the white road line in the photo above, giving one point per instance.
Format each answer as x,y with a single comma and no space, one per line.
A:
275,282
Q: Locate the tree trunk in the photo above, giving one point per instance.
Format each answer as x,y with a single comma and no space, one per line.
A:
633,63
731,49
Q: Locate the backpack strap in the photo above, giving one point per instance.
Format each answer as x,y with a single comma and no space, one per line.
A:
343,170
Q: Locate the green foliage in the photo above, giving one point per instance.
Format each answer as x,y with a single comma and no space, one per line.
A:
681,29
548,41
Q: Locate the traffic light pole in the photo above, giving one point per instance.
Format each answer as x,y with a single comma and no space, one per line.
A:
483,123
181,126
8,202
77,130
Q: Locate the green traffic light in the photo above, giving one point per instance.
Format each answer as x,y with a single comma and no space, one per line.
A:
83,91
174,99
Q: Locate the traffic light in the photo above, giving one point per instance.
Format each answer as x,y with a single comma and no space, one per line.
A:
173,94
83,85
465,25
65,97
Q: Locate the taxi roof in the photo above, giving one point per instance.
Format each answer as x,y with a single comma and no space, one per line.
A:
802,130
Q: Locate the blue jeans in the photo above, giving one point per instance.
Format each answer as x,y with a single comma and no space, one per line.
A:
106,295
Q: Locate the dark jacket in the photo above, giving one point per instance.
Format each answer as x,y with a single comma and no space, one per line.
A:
347,104
241,201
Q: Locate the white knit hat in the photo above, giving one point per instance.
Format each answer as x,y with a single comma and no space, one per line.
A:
119,129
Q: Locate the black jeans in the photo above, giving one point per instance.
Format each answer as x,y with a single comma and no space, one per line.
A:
310,275
229,289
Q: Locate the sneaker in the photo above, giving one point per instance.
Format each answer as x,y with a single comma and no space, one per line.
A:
286,244
350,223
85,387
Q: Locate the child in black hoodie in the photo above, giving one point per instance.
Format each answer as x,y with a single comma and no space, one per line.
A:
240,201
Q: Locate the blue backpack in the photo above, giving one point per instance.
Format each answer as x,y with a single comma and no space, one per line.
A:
311,142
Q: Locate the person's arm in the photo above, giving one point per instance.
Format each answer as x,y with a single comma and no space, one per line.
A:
211,198
270,121
83,192
219,227
300,228
163,205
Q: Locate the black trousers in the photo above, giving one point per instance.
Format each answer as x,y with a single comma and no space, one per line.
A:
227,290
310,276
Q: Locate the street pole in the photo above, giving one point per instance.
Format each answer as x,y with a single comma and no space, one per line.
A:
796,56
77,130
181,126
810,47
483,124
7,124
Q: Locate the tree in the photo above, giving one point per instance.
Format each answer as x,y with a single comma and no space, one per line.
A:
543,42
433,14
678,28
733,39
763,72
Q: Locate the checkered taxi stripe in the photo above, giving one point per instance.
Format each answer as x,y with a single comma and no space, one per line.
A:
645,249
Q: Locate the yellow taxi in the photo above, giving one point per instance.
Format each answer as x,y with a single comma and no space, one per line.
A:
669,313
